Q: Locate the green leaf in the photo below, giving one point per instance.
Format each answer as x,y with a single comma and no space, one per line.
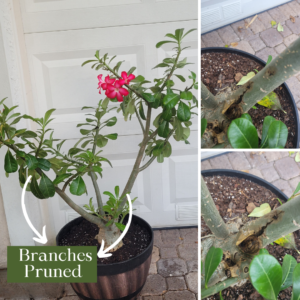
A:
212,260
167,114
186,95
183,112
167,150
246,116
111,122
161,65
179,33
61,178
112,136
97,169
221,297
120,226
31,162
261,211
265,131
159,44
246,78
296,191
203,126
149,97
101,141
170,100
48,114
34,187
270,56
180,77
266,274
10,163
263,251
273,23
28,134
277,135
141,111
44,164
163,129
242,134
288,265
85,131
78,186
296,283
46,187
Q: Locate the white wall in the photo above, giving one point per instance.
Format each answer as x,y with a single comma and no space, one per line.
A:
218,13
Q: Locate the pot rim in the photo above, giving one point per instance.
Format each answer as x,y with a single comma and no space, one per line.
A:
110,269
253,178
246,54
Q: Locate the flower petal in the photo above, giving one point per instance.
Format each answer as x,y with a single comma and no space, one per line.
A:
123,91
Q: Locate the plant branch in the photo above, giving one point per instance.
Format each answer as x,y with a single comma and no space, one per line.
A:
210,213
173,68
98,193
78,209
93,176
69,180
140,121
276,224
218,287
208,100
147,164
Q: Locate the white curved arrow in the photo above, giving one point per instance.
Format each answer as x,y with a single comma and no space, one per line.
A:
41,238
102,253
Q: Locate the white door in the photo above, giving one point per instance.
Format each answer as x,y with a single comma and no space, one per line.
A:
58,36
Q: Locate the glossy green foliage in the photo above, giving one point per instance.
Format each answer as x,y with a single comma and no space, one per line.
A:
212,260
243,134
266,275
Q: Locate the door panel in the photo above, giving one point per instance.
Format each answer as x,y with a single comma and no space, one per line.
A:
165,191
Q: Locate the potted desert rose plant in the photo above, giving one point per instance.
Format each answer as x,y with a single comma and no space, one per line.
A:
36,153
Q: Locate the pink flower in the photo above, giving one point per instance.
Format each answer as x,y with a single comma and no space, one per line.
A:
108,81
100,82
126,79
116,91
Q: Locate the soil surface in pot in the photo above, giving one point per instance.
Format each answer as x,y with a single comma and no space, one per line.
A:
232,195
218,73
135,241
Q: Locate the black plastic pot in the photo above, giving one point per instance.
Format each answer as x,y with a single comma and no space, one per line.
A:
253,178
285,87
118,281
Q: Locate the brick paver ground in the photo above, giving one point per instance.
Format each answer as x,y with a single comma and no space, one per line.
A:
173,273
260,38
277,167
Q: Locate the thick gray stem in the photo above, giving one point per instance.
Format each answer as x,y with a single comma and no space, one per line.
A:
109,235
210,213
276,224
77,208
208,100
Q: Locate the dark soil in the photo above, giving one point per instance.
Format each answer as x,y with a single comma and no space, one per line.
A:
135,241
232,196
218,71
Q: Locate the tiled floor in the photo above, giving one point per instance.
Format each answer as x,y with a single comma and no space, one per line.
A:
173,273
260,38
276,167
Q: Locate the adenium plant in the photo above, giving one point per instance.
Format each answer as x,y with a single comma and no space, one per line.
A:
36,153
